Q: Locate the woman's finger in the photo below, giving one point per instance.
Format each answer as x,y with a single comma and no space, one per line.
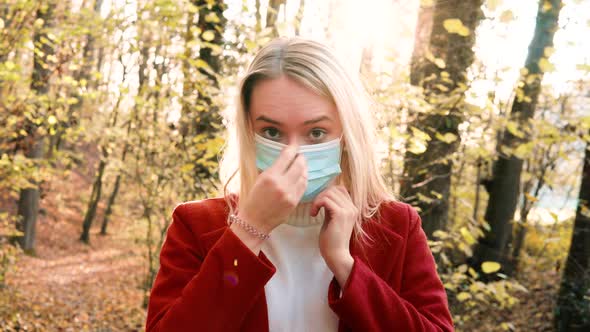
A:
285,158
297,170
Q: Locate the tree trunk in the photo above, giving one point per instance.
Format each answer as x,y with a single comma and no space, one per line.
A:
94,199
427,176
272,14
299,17
504,188
367,61
201,120
113,195
28,203
573,303
97,185
72,119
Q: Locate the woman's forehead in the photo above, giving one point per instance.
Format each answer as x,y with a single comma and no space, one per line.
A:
285,100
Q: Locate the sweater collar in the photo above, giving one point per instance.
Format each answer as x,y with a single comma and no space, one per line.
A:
300,216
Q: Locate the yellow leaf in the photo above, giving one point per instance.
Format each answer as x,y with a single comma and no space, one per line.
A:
1,24
187,168
38,23
546,66
490,267
200,63
530,197
447,137
547,6
467,236
208,35
548,51
493,4
420,134
417,146
440,63
51,120
463,296
506,16
513,129
454,25
523,150
212,18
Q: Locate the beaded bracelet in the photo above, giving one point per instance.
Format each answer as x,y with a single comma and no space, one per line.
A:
251,229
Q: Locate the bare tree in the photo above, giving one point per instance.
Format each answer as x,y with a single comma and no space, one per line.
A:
439,67
503,187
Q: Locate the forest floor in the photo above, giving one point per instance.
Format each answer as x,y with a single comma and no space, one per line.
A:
533,311
71,286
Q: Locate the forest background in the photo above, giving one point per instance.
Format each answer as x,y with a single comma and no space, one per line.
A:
113,111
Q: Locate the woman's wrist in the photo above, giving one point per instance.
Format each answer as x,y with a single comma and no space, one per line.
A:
248,231
252,242
248,224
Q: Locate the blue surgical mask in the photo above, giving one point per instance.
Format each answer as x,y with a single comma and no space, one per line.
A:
323,162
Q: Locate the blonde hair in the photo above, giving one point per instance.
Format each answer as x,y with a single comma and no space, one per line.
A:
314,65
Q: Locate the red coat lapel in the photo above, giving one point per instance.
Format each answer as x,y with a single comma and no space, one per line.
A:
383,255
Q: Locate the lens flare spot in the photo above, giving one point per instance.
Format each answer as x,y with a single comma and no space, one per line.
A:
231,277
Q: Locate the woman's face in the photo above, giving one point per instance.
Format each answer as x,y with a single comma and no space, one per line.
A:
285,111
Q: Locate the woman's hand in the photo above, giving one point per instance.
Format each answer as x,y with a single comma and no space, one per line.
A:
276,191
340,217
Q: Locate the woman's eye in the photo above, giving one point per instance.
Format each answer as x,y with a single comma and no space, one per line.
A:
317,134
271,133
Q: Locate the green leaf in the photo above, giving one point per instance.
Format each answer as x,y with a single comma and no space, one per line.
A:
454,25
490,267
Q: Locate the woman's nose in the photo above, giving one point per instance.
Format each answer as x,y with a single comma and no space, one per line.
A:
294,140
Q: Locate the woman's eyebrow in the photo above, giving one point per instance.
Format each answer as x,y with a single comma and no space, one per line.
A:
264,118
267,119
321,118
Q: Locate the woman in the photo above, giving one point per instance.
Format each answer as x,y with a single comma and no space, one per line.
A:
278,253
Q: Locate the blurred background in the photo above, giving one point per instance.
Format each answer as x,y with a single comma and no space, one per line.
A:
112,112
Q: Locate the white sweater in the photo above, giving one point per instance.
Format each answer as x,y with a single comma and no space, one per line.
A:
297,294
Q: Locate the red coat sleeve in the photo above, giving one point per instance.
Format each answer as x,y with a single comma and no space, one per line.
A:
206,292
368,303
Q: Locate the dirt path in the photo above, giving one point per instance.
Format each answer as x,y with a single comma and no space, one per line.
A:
71,286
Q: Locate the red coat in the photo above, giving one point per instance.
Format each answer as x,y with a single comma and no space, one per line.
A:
210,281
